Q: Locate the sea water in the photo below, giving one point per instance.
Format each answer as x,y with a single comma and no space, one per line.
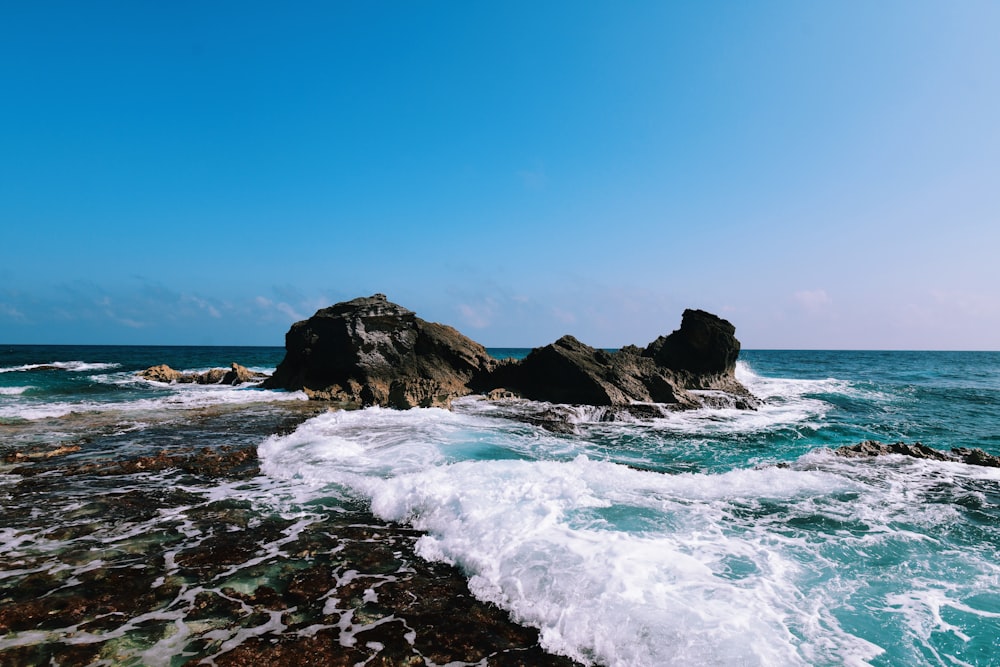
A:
706,537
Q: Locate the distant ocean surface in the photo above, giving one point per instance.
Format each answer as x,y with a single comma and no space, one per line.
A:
710,537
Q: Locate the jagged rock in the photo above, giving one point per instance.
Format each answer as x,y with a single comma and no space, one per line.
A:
976,457
704,345
161,373
370,351
876,448
235,375
241,374
568,371
919,451
699,356
211,376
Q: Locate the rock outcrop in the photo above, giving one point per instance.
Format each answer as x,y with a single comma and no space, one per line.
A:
161,373
235,375
701,355
704,346
370,351
919,451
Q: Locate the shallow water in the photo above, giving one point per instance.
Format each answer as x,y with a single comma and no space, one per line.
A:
703,537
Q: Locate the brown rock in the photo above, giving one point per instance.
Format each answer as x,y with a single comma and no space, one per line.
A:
161,373
211,376
235,375
240,375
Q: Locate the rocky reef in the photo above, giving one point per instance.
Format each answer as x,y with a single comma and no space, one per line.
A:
917,450
370,351
234,375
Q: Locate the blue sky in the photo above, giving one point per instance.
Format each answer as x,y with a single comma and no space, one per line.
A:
823,175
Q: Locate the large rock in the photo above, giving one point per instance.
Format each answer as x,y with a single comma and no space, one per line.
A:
370,351
161,373
691,367
568,371
705,345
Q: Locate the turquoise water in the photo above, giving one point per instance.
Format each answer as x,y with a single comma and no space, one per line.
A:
712,537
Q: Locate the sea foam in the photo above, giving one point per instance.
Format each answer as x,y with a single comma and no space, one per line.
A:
72,366
180,397
614,565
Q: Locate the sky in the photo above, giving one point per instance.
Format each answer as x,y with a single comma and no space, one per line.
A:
824,175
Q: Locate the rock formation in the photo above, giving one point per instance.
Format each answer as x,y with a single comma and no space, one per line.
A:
701,355
919,451
370,351
234,376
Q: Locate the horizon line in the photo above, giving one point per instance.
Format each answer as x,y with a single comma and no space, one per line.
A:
507,347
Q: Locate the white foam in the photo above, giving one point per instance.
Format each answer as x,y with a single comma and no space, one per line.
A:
786,402
614,565
13,391
621,566
557,544
181,397
72,366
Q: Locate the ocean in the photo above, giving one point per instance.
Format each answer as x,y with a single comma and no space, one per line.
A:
152,524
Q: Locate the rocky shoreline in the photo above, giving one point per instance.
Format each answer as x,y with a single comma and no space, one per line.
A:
139,543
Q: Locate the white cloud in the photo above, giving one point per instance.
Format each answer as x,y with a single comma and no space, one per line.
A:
288,310
478,316
11,312
203,304
282,307
967,303
813,301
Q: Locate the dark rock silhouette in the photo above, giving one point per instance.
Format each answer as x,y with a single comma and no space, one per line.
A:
701,355
704,345
370,351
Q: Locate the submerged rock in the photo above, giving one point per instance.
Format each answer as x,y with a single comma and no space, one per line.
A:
919,451
370,351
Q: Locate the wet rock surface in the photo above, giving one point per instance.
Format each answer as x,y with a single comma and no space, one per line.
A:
235,375
186,555
919,451
570,372
370,351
